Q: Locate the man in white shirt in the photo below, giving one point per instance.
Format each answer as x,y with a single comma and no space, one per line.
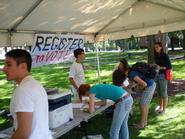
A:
76,74
29,103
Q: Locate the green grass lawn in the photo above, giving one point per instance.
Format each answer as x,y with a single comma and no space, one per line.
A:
169,126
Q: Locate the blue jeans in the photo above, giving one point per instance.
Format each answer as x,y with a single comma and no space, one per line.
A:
120,119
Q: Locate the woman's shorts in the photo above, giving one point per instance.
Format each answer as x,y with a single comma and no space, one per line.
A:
161,86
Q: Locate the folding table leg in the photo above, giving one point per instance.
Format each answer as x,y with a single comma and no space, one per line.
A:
84,126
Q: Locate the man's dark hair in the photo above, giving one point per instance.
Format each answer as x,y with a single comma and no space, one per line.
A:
78,52
118,77
20,56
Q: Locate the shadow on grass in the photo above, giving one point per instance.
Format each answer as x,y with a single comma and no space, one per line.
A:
4,121
171,125
4,103
52,76
100,124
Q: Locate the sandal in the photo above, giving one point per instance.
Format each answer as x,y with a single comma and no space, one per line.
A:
158,110
161,112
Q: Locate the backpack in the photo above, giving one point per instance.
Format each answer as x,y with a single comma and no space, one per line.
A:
148,70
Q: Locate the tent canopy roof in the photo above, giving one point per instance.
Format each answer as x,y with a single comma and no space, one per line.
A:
105,19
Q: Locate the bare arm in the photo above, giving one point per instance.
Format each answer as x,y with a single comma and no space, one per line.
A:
73,83
24,123
91,103
160,68
142,84
101,103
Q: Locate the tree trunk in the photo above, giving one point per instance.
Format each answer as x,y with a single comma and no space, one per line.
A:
151,40
183,42
172,43
104,46
142,43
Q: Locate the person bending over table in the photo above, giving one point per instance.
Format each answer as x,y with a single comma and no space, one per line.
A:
145,86
123,103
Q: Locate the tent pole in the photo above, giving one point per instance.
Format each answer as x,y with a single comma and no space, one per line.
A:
32,8
98,62
166,6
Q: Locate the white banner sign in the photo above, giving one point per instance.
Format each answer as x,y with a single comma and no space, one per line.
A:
54,48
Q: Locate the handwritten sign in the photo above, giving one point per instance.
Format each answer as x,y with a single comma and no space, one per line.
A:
54,48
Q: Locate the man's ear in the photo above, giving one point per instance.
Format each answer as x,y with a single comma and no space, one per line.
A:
23,66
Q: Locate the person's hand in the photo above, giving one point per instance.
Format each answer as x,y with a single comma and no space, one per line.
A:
138,88
158,67
85,110
104,103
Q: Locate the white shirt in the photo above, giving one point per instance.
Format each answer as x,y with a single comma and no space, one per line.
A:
30,96
77,73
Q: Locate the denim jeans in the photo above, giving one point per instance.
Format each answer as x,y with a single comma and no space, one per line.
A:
120,119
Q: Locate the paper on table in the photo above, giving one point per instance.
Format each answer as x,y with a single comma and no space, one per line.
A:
82,105
3,136
77,105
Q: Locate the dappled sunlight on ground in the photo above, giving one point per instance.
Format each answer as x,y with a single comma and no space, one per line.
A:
171,125
176,86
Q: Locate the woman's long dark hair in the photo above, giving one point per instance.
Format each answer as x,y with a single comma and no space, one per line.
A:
125,64
160,45
118,77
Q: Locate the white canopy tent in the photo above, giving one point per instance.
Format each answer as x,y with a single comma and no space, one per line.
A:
96,19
